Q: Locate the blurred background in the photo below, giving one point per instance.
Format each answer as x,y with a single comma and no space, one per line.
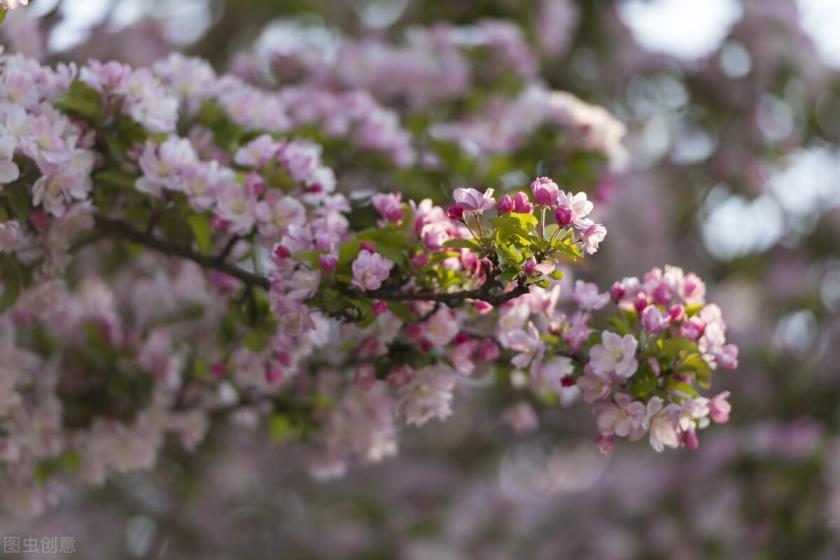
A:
733,115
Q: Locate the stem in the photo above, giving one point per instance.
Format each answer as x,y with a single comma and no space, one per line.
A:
124,230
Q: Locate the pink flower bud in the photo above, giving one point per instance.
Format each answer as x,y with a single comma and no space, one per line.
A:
414,333
640,303
367,246
564,216
545,191
281,252
719,408
676,313
660,295
521,204
273,375
379,307
255,183
488,351
530,266
218,369
605,443
456,213
689,440
505,204
567,381
328,262
39,218
400,376
652,320
420,260
482,307
219,224
364,377
617,292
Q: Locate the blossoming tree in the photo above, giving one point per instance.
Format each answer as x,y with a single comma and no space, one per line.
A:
179,248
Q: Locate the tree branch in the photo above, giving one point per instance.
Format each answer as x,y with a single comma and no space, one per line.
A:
125,230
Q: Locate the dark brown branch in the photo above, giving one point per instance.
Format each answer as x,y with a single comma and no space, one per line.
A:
485,293
124,230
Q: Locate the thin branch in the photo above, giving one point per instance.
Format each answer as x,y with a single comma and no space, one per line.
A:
125,230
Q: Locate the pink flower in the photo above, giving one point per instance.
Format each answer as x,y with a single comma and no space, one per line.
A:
521,204
400,376
564,216
521,417
472,200
276,212
579,206
328,262
389,206
592,237
653,320
505,204
727,357
594,387
615,354
257,152
441,327
625,418
545,191
586,295
364,377
605,443
488,351
8,170
663,424
719,408
370,270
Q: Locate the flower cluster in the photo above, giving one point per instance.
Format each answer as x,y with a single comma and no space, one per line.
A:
179,248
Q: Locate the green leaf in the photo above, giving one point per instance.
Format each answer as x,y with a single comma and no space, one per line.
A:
684,389
281,428
82,101
13,282
348,251
115,178
462,244
644,383
203,233
19,200
3,12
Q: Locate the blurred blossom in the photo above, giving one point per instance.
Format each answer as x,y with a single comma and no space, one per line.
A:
678,27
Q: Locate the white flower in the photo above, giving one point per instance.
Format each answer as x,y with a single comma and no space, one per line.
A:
663,424
8,170
428,396
441,328
586,295
615,354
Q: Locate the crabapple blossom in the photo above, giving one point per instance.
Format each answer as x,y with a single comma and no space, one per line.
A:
616,354
176,239
472,200
370,270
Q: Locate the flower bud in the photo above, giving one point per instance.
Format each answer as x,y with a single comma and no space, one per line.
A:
456,213
505,204
328,262
364,377
521,204
564,216
545,191
420,260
